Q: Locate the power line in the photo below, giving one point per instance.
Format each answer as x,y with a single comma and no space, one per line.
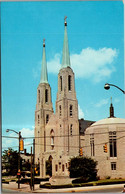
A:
10,137
16,146
66,145
62,135
81,146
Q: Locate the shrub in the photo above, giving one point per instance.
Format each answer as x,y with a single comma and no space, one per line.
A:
83,167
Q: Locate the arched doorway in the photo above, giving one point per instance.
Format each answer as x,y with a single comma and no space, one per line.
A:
49,166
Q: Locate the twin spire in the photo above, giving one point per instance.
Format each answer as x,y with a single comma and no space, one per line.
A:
44,76
65,56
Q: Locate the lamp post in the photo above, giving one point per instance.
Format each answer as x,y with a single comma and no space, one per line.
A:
107,87
19,133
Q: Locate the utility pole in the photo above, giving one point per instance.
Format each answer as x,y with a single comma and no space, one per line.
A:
33,162
19,162
20,149
31,171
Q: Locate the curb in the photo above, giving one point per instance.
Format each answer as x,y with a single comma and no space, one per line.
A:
68,190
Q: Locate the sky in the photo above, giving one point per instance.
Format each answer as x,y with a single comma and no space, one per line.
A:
96,45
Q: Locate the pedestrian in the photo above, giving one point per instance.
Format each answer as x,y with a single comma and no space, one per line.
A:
123,189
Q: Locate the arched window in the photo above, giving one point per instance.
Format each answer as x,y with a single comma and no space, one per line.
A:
60,130
52,139
47,118
46,95
70,110
38,120
60,110
113,144
56,167
69,82
63,168
39,96
71,129
92,144
38,137
61,83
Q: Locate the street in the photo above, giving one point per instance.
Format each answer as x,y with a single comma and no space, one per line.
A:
110,190
12,188
8,191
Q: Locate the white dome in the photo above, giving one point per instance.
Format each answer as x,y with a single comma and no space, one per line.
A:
107,121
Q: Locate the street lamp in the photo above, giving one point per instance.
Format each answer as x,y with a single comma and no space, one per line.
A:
19,133
107,87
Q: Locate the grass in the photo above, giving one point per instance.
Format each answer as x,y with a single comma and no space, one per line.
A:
7,179
93,183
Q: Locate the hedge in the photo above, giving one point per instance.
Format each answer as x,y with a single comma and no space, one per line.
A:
96,183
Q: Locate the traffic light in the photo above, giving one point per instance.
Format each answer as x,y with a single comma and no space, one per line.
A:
105,148
21,145
8,153
81,152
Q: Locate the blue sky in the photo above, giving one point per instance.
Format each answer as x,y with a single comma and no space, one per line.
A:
96,43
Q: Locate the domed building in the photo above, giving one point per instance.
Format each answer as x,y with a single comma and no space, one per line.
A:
105,143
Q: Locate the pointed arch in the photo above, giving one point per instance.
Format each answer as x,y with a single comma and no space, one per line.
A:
70,110
47,118
52,139
61,83
50,158
69,82
46,95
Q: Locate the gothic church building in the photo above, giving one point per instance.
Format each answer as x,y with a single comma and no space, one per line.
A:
57,134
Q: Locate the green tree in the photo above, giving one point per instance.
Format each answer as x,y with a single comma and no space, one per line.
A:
83,167
26,166
10,161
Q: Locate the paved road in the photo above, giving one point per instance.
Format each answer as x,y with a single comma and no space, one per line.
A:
105,190
7,191
12,188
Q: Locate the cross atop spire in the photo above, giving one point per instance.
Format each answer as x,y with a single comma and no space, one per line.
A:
65,55
44,42
44,77
65,20
111,100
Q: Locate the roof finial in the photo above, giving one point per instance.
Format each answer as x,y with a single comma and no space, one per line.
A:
65,20
111,100
44,42
111,109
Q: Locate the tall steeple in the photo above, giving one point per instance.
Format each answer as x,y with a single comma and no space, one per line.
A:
44,77
65,55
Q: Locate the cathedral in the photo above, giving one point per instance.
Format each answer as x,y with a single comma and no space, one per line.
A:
61,135
57,134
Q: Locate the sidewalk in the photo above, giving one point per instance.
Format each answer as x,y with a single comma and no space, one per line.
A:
26,188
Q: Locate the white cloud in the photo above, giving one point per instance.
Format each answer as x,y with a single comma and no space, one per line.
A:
89,63
80,112
54,65
10,142
116,100
14,143
102,102
26,132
